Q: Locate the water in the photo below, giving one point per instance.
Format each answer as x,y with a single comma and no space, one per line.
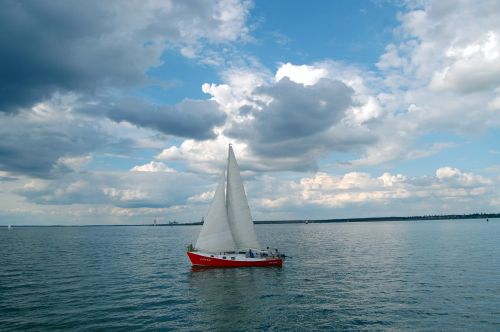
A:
425,275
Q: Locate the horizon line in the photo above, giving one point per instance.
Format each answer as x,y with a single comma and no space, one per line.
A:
296,221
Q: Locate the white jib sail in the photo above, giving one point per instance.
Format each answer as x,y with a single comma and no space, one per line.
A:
215,235
238,211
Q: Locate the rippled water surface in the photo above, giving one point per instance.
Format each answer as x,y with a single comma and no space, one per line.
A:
425,275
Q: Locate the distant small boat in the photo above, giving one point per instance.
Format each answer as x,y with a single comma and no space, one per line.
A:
307,221
227,237
9,227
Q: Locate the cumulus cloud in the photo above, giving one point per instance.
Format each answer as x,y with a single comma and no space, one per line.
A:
354,187
290,120
44,145
296,111
435,77
119,189
304,74
472,67
205,197
455,175
449,191
153,166
276,125
97,197
206,156
351,188
50,46
285,124
443,57
59,57
432,78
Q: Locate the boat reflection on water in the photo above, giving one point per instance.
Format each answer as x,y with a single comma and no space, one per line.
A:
200,268
230,299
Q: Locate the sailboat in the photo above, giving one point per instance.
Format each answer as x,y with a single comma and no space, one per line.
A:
227,237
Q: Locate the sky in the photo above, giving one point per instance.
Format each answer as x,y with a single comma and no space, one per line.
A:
116,112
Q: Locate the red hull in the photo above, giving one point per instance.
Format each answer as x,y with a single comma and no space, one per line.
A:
201,260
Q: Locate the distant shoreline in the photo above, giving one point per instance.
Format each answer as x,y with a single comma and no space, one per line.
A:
302,221
375,219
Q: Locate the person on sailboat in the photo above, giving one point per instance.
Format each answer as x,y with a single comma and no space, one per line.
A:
250,253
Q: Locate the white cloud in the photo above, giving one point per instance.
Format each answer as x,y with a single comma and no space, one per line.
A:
495,202
371,109
392,108
230,16
391,58
470,68
388,180
447,172
277,203
441,74
494,105
125,194
435,148
153,166
303,74
74,162
355,188
361,194
202,157
205,197
451,174
92,37
35,184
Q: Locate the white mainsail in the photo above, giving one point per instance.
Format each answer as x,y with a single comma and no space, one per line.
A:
238,211
215,234
228,225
